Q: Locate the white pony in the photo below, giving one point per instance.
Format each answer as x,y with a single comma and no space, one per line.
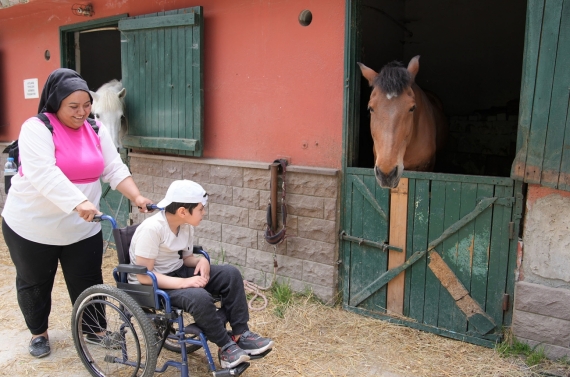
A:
108,108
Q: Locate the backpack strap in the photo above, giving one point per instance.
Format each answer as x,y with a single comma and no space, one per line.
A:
45,119
93,124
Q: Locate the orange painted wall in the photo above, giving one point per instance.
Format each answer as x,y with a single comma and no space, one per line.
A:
272,87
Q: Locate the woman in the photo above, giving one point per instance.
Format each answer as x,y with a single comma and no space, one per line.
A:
48,211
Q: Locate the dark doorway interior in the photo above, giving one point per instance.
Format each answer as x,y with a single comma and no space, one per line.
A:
471,58
100,56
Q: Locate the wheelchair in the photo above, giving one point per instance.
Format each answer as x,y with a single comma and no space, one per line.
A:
138,321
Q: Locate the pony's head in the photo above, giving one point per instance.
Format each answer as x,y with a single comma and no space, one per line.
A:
108,108
392,105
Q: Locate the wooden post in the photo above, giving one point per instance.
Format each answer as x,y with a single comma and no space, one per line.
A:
398,225
274,189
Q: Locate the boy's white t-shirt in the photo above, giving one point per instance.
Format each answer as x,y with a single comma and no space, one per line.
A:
153,239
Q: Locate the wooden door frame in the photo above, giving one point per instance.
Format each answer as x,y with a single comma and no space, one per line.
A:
67,38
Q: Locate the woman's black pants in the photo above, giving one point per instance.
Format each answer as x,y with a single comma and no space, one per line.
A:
36,265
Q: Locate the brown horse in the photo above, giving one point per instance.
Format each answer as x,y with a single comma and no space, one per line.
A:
408,125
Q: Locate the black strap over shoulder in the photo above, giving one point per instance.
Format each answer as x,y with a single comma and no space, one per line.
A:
13,149
270,236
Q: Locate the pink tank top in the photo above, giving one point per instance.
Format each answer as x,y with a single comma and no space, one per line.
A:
77,152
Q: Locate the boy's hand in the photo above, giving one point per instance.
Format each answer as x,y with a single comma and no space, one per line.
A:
195,282
203,268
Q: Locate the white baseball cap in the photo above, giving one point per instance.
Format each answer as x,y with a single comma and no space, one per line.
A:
184,191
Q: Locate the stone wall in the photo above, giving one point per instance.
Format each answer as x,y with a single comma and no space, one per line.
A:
542,318
233,228
542,295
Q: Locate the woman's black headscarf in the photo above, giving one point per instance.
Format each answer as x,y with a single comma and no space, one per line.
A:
60,84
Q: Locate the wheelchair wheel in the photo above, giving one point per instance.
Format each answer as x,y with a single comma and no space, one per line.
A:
128,347
172,344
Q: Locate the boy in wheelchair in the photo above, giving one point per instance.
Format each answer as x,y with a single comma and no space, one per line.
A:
163,243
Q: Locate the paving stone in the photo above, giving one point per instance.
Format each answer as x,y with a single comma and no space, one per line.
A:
161,185
228,214
243,197
315,251
226,175
219,193
231,253
312,184
541,328
143,182
257,219
330,209
317,229
209,229
256,179
172,169
309,206
146,166
317,273
196,172
540,299
241,236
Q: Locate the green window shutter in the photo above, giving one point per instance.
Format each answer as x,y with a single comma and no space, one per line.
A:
162,60
543,145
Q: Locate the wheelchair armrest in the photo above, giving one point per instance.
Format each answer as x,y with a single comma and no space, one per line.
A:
197,249
131,269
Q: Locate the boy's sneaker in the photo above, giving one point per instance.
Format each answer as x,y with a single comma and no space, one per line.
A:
109,340
39,347
254,344
231,355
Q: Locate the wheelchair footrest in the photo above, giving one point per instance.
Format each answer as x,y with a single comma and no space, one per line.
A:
255,357
233,371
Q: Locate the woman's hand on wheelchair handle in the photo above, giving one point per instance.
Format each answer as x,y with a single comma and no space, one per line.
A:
86,210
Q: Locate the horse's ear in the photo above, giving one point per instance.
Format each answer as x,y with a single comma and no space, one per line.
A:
94,95
414,66
368,73
122,93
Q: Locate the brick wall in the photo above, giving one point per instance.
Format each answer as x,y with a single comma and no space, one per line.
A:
233,228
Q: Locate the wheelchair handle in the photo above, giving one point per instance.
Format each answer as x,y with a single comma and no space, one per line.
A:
152,207
99,218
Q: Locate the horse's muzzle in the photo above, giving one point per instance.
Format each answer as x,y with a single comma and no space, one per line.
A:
389,180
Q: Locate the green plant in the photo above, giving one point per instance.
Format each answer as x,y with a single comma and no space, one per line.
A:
536,356
282,294
512,347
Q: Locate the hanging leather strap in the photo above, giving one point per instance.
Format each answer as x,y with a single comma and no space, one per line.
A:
271,237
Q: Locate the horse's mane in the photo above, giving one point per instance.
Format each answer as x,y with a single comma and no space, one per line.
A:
393,78
108,100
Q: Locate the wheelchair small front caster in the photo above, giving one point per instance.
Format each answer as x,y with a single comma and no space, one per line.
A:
233,371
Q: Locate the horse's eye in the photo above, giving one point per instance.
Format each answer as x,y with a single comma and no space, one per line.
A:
370,109
412,109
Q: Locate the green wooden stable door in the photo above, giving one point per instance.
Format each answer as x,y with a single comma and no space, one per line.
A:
459,254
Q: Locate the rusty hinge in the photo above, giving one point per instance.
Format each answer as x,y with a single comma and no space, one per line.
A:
506,299
511,230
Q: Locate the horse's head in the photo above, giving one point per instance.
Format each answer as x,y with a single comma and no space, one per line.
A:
108,108
391,105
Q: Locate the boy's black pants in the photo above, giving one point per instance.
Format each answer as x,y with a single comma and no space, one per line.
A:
225,280
36,265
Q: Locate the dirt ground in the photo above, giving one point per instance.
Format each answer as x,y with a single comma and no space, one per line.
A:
311,340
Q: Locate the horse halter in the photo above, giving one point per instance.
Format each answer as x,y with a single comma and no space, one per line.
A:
271,237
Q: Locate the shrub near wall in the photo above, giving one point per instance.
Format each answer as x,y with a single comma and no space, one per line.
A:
233,228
